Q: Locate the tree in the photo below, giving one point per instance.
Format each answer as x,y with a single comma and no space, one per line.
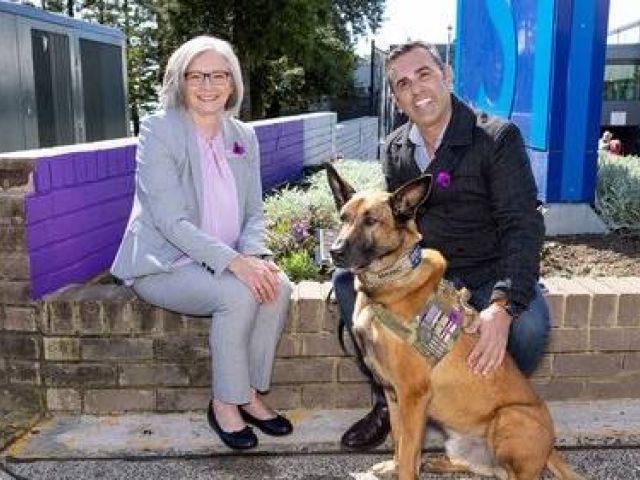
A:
277,41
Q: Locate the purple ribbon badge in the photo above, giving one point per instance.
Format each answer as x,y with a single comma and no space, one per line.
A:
238,148
443,179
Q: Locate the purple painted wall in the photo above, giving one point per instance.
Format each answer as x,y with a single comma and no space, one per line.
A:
281,152
76,215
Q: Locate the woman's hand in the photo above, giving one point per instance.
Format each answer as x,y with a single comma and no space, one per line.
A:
261,276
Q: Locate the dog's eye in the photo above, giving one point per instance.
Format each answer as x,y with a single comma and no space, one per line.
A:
370,221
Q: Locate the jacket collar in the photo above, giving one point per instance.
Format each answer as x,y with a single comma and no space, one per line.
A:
459,131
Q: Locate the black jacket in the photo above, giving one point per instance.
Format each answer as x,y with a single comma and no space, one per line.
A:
485,222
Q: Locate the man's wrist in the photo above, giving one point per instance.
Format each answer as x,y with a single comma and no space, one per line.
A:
508,306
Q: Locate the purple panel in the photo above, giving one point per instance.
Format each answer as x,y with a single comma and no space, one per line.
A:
291,127
116,161
57,172
80,272
290,139
92,166
74,250
103,167
286,162
81,165
39,207
268,144
68,169
42,176
38,234
130,158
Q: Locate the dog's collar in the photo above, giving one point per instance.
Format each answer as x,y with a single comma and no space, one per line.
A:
403,265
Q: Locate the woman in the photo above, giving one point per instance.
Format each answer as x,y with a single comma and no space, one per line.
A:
194,242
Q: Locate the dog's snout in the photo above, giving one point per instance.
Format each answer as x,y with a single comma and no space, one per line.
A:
338,249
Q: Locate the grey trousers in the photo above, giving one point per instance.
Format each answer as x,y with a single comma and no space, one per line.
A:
244,334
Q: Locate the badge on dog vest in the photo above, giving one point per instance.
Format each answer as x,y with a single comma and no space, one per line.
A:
435,330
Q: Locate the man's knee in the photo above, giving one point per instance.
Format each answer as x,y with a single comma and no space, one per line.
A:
529,334
342,280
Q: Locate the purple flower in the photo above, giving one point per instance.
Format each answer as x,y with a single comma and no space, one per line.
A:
443,179
299,232
238,149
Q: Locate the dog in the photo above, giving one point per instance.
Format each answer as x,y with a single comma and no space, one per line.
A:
496,425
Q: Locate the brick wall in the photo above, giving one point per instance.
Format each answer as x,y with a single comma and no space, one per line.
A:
20,340
98,349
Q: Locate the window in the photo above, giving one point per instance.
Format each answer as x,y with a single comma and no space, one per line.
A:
622,83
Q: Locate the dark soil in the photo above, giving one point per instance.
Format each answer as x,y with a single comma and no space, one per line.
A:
613,254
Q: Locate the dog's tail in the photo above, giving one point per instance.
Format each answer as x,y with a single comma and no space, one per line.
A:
560,468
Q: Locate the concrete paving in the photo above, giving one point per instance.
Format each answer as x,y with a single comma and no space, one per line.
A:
187,435
594,464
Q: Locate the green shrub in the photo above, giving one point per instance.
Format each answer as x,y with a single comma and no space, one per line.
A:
294,214
299,265
618,192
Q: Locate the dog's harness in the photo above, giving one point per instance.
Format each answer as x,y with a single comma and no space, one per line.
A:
434,331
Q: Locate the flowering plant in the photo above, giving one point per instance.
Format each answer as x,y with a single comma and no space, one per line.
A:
443,179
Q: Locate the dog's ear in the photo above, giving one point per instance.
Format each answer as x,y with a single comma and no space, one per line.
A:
341,190
406,199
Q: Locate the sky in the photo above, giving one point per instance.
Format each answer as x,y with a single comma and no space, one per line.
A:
428,19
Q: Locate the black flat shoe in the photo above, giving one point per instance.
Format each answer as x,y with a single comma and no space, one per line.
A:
241,440
277,426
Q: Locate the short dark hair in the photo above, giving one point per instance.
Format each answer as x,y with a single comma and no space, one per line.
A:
408,46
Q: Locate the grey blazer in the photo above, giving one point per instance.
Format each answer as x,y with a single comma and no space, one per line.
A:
165,217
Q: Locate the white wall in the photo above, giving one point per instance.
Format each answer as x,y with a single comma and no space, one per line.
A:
358,138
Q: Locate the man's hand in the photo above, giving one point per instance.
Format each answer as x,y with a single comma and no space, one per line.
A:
261,276
493,325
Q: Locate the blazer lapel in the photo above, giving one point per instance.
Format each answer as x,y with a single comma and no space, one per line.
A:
193,154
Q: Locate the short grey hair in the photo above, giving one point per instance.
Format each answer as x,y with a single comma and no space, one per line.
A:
171,94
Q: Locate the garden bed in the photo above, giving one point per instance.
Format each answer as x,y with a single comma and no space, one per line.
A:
301,221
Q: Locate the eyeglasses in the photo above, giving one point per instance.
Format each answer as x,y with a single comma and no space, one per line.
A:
217,78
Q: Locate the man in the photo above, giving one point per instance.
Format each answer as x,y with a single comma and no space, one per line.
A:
481,214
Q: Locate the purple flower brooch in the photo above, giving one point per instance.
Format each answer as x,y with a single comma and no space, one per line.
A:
443,179
238,148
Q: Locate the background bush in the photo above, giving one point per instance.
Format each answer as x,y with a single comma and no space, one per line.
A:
294,214
618,192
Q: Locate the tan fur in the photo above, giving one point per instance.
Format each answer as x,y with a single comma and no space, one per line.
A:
500,408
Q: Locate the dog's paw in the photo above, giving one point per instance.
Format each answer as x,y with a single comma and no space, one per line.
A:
442,464
386,469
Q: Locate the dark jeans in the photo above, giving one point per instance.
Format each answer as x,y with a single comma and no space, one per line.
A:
527,337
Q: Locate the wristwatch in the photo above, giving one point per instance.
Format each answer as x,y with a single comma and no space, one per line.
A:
510,307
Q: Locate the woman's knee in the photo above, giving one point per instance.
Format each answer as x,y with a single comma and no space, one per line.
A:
285,289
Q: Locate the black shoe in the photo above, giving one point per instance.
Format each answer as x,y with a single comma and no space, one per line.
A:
370,431
240,440
277,426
